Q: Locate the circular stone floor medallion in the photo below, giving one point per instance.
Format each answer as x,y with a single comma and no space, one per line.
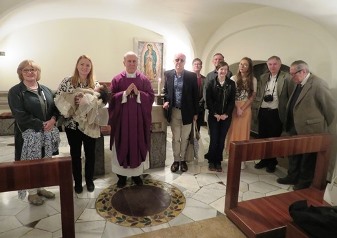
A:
151,204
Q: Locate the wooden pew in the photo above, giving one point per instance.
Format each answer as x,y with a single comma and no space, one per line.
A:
268,216
19,175
294,231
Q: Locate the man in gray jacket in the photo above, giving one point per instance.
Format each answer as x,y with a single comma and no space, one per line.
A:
273,91
311,109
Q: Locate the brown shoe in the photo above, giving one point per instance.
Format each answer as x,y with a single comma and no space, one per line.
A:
175,166
35,200
45,193
183,166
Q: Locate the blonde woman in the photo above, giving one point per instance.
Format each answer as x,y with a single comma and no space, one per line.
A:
35,114
83,77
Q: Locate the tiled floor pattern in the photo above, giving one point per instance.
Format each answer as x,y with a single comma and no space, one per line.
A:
204,192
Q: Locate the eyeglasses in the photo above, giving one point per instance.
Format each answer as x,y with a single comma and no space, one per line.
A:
293,74
29,70
181,60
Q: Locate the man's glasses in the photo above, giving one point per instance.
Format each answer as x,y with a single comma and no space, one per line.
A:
29,70
181,60
293,74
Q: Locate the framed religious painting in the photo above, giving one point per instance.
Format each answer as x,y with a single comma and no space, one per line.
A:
150,55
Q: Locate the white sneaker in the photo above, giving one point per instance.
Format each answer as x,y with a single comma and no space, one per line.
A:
243,165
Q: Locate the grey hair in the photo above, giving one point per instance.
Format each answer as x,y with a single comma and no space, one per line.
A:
129,53
275,58
300,65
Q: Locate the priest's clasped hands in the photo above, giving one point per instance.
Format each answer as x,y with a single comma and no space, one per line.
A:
132,89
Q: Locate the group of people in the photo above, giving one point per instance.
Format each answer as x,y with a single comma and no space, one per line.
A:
297,102
81,101
291,103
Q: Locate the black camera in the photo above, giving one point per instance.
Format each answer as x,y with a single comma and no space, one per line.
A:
268,98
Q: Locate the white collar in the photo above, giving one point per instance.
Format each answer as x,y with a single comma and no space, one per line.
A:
131,75
305,79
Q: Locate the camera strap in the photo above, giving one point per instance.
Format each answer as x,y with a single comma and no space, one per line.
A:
266,89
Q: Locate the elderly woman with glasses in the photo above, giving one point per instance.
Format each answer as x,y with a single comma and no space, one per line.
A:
35,114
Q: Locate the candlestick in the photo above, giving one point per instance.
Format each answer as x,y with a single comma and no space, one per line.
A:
159,80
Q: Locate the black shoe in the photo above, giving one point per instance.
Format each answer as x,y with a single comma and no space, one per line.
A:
137,180
211,167
175,166
271,168
121,181
183,166
90,187
301,186
262,164
218,168
78,189
286,180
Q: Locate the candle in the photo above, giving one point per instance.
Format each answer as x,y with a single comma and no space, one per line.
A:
159,79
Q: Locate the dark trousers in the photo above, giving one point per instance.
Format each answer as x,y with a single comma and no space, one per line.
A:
75,140
270,125
301,167
218,131
200,121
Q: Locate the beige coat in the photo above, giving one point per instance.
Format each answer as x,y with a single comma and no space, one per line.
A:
315,108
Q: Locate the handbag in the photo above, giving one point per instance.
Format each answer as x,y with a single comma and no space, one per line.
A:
318,222
195,149
189,153
330,193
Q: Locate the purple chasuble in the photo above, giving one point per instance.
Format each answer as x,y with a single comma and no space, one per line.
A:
131,121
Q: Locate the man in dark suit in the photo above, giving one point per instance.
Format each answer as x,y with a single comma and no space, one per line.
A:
181,103
311,109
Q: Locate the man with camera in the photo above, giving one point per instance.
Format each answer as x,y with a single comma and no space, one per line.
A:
273,91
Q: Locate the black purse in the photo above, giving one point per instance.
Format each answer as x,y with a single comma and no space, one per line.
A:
320,222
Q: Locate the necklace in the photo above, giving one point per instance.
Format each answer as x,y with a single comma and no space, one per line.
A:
82,84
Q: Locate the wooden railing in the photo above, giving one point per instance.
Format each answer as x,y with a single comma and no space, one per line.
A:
268,216
38,173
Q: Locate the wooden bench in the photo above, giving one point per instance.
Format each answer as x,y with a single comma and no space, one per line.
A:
6,123
269,216
293,231
19,175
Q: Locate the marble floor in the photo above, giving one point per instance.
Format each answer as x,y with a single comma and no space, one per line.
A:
204,192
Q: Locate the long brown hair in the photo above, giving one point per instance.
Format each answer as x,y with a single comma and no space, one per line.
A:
250,76
76,76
